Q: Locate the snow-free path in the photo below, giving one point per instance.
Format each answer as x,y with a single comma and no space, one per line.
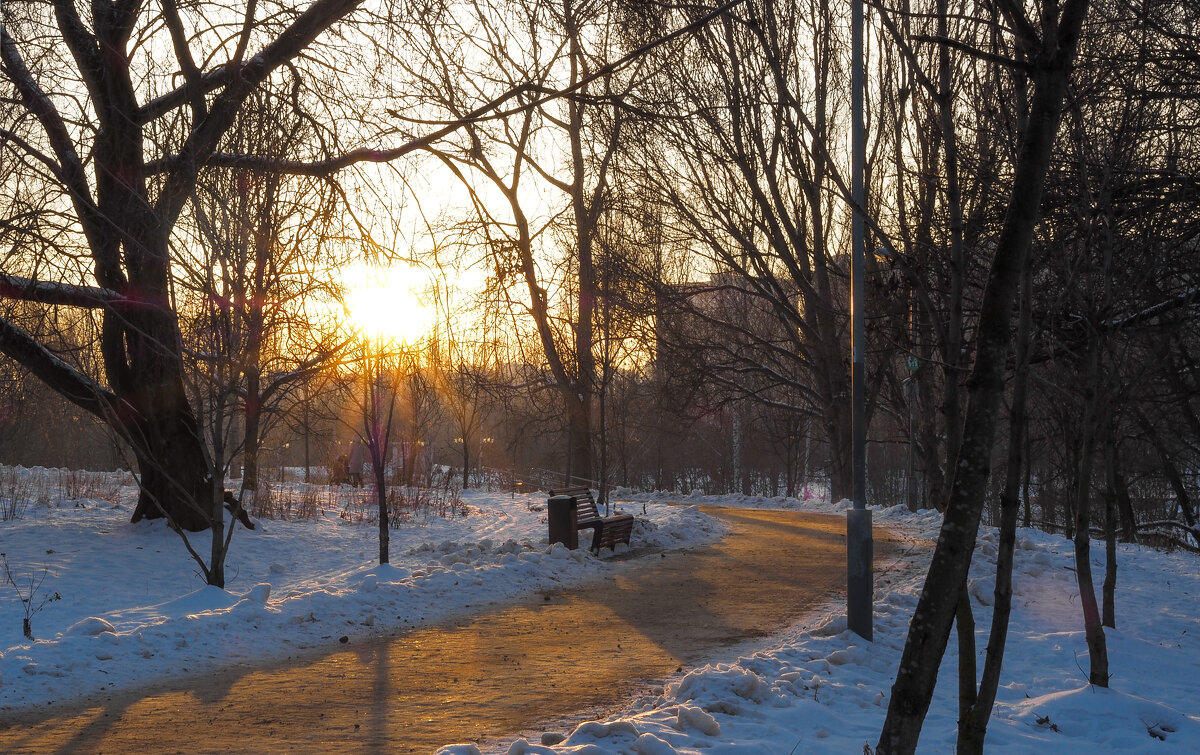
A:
510,671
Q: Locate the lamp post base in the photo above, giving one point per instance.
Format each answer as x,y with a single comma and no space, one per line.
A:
859,578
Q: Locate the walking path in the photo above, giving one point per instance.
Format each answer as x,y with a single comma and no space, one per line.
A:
525,668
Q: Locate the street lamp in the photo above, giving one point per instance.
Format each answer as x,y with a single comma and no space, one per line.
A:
859,583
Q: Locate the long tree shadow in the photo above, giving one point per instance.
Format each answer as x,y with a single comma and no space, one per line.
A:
560,653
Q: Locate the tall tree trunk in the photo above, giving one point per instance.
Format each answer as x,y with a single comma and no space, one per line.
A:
215,572
972,725
1093,630
379,436
964,624
466,462
251,440
1108,613
379,467
952,350
263,236
930,626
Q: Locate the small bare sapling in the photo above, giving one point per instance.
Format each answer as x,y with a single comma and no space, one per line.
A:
32,598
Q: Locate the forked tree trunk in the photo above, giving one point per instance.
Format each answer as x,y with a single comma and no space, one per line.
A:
930,626
126,213
972,723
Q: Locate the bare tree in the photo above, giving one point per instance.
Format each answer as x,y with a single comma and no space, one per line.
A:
564,146
268,259
379,370
743,126
1051,51
119,141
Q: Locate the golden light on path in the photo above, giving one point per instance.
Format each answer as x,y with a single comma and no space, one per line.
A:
492,671
389,303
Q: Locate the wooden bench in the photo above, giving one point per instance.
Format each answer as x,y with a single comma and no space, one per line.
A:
607,531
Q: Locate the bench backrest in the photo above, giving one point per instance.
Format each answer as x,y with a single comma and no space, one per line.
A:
585,504
585,508
578,491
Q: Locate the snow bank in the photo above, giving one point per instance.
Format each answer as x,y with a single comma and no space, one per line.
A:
134,608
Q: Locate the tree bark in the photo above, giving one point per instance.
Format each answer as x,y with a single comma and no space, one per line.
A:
953,347
173,464
251,437
264,236
466,462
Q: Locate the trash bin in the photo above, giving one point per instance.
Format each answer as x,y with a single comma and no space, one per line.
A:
561,516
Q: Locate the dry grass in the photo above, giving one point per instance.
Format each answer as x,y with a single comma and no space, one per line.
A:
276,501
20,488
405,503
16,493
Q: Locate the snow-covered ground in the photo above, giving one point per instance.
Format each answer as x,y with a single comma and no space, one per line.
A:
132,607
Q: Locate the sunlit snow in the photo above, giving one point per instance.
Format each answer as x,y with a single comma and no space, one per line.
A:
133,608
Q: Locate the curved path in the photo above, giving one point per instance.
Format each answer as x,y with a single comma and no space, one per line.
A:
560,653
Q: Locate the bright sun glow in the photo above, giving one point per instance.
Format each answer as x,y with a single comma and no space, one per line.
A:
389,303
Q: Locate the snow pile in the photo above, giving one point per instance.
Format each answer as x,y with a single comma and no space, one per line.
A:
134,608
818,688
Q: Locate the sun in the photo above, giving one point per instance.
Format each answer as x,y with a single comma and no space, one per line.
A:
389,302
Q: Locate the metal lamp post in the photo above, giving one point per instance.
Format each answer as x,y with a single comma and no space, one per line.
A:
859,582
